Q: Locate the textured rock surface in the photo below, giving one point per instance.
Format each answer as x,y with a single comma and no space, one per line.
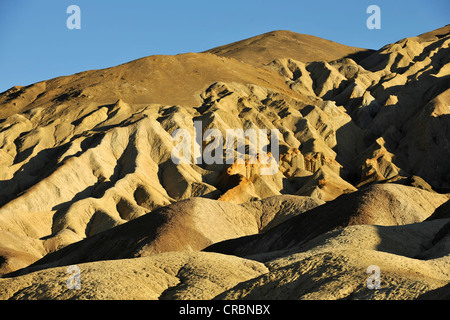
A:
180,275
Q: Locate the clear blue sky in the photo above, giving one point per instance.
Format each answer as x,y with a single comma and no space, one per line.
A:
36,45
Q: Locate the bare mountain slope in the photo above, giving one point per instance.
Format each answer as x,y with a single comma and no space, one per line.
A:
332,266
265,48
173,275
384,204
191,224
167,80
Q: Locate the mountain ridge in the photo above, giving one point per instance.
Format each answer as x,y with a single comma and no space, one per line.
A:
262,49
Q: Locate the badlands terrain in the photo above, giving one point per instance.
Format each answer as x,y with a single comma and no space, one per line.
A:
87,178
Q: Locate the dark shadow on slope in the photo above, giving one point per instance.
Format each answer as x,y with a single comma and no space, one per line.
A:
360,55
333,215
116,243
36,169
442,212
97,190
442,293
371,205
350,143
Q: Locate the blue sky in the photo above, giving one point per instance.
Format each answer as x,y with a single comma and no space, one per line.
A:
36,45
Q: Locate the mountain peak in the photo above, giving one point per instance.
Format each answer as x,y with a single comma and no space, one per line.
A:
262,49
